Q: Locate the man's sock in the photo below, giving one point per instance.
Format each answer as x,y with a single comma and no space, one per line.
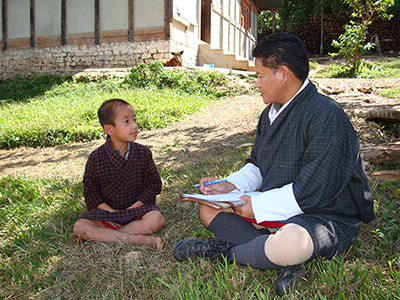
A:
252,253
233,229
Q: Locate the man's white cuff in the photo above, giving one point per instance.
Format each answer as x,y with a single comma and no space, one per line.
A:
247,179
276,205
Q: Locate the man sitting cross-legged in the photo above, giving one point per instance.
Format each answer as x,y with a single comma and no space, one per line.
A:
306,163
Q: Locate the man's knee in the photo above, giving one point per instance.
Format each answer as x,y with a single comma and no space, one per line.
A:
207,214
291,245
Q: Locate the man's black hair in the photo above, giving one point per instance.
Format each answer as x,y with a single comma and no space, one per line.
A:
284,48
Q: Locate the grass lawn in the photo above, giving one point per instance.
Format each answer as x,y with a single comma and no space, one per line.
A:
39,261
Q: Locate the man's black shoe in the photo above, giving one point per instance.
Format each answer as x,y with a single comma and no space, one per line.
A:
191,248
288,278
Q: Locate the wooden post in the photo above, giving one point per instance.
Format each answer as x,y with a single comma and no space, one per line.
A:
32,24
321,47
167,18
131,20
97,22
63,22
4,24
273,21
221,27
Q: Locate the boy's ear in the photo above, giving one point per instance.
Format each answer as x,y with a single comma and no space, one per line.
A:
108,129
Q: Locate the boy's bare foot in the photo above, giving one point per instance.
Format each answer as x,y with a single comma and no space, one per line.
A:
158,243
149,240
152,241
77,238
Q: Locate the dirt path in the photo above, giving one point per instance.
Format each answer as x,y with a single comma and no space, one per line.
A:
219,120
222,123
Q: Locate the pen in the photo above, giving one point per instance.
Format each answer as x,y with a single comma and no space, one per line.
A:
211,182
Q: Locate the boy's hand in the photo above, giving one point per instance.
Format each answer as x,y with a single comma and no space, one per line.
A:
218,188
136,204
245,210
105,206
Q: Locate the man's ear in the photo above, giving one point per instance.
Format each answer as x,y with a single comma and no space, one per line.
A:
108,129
284,72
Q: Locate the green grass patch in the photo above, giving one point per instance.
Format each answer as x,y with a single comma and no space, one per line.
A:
35,220
48,111
68,113
371,69
39,261
20,89
391,93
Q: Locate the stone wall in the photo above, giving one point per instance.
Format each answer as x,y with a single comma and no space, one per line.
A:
71,59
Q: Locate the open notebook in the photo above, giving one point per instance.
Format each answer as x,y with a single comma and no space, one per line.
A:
219,201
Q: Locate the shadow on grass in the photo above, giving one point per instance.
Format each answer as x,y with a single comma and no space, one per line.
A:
28,157
22,88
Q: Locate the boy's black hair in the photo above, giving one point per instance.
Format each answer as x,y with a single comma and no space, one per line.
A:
106,112
284,48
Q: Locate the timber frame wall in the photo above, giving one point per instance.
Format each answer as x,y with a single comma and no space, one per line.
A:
43,42
96,36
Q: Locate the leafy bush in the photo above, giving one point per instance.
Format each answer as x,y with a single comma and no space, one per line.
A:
351,43
352,46
193,82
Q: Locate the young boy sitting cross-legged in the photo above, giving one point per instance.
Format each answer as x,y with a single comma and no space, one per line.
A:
120,184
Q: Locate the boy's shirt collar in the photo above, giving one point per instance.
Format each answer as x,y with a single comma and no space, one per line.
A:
128,150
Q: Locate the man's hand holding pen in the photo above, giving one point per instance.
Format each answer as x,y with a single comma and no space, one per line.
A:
219,187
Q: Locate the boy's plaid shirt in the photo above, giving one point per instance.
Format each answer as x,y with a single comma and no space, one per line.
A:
111,179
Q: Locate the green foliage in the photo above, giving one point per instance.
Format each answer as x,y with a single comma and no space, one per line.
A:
69,113
351,43
387,232
39,261
193,82
391,93
265,21
366,9
352,46
295,13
